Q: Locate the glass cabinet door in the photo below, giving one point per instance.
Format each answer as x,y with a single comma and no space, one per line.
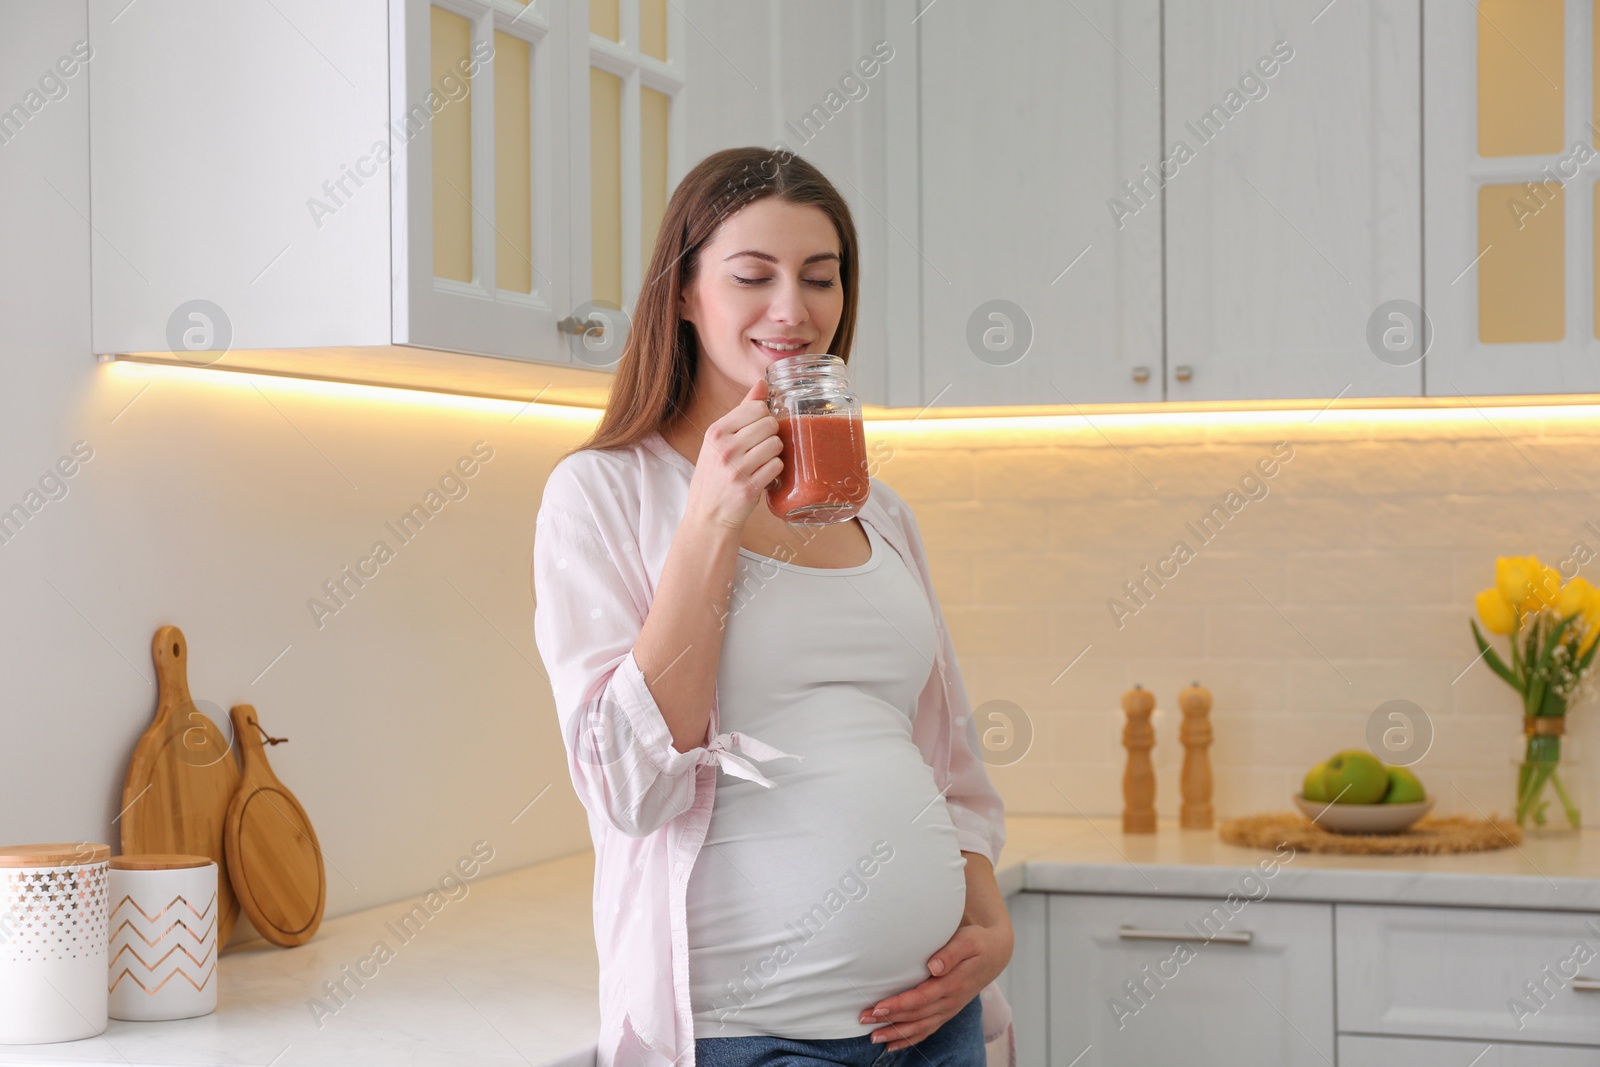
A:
1511,161
480,103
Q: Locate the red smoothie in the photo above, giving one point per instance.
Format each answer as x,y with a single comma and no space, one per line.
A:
824,475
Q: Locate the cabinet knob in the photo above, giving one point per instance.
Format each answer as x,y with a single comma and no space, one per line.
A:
1183,373
594,325
1141,374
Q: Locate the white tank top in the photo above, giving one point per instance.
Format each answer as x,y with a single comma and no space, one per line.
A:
811,900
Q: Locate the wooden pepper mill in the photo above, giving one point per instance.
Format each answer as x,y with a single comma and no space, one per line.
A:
1139,780
1195,733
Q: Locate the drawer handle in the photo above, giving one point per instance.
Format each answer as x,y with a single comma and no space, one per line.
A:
1243,937
1586,985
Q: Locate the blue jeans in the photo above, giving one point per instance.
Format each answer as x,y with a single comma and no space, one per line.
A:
958,1043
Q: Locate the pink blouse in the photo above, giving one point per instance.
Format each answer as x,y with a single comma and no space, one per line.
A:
605,525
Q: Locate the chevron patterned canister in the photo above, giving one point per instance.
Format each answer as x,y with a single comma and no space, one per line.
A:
52,942
163,949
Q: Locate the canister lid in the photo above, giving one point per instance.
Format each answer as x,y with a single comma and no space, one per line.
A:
159,861
61,854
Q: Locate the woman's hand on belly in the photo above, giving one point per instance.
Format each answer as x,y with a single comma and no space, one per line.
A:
973,957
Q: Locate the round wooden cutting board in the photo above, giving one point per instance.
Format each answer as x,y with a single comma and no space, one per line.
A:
274,859
182,777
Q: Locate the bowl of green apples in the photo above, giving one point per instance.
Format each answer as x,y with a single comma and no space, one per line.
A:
1354,792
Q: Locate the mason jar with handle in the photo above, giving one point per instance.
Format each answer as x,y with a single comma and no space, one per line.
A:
52,942
824,478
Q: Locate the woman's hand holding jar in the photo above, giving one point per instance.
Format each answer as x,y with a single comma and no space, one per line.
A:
738,461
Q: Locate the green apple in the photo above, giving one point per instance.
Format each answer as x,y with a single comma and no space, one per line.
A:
1316,784
1404,787
1356,777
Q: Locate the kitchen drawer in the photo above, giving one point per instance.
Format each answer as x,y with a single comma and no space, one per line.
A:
1418,1052
1460,973
1149,1000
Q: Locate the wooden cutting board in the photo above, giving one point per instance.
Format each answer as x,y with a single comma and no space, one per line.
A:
274,859
182,777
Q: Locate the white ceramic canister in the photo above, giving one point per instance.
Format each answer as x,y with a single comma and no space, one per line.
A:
52,942
163,950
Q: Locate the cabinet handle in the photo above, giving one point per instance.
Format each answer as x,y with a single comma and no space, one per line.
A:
1243,937
1141,374
578,327
1183,373
1586,985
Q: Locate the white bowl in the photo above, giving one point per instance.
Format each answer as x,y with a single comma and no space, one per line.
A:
1363,818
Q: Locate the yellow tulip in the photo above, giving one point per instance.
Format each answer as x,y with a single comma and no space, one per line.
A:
1591,607
1497,612
1590,622
1574,597
1527,583
1513,576
1546,583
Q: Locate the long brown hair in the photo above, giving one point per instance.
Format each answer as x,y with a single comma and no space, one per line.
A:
655,376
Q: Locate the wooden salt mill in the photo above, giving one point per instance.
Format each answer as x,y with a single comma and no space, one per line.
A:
1195,733
1139,780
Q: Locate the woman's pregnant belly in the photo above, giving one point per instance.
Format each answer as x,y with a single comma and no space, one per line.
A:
812,900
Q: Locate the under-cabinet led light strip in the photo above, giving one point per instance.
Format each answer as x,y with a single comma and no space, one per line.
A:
1522,413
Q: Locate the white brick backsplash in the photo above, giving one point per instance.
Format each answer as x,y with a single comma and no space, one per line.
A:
1365,553
1075,474
1313,688
1285,632
928,476
1421,632
1376,578
998,629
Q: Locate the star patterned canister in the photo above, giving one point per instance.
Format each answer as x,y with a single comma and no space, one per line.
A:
52,942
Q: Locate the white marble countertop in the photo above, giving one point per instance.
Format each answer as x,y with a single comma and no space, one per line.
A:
1052,853
504,975
508,974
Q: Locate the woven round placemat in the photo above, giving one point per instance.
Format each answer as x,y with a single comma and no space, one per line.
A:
1436,835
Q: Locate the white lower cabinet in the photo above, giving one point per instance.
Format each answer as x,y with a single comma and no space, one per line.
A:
1104,980
1025,981
1358,1051
1481,974
1150,980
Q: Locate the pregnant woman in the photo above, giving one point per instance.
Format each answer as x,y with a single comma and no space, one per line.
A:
836,904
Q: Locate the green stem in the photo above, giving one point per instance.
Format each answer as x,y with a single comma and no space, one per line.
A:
1533,691
1543,748
1516,655
1530,793
1566,801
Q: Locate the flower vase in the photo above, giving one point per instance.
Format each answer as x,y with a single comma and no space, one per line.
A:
1547,785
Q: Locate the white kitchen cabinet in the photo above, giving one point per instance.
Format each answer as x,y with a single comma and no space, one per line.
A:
211,128
347,205
1462,972
484,264
1134,979
241,155
1511,198
1025,979
1026,120
1358,1051
1298,211
815,79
